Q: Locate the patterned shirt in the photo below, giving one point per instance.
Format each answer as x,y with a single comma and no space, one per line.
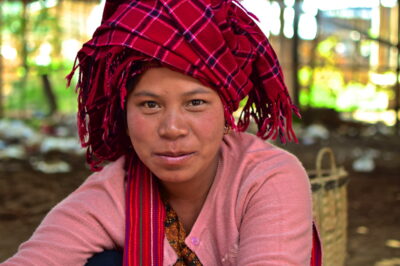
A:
176,235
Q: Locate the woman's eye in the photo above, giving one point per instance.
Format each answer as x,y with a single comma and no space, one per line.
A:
150,104
196,102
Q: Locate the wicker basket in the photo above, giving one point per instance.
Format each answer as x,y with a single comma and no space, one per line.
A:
329,192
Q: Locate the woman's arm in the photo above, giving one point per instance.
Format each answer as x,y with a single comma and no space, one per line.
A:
88,221
276,228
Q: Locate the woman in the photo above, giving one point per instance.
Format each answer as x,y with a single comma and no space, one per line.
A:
158,84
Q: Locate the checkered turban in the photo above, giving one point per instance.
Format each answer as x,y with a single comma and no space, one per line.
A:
214,41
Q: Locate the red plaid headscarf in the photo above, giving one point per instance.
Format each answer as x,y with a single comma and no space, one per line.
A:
214,41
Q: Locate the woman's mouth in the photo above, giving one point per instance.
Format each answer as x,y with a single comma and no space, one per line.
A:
174,158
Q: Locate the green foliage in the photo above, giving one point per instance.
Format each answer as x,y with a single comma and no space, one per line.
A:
330,91
305,75
32,97
326,49
41,26
327,88
327,84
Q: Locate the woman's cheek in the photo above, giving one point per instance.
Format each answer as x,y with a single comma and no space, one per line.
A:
139,126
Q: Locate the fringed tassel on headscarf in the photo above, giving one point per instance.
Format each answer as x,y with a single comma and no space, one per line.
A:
101,111
273,119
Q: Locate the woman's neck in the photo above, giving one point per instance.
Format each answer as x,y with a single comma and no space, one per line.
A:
187,198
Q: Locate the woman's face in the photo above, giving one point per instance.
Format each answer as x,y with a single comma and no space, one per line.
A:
176,125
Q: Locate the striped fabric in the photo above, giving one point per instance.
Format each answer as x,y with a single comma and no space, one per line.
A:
316,252
145,215
214,41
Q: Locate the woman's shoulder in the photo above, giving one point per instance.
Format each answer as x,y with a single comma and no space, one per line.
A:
248,148
112,173
259,176
108,181
251,162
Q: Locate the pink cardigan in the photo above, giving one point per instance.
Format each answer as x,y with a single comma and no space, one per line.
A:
258,212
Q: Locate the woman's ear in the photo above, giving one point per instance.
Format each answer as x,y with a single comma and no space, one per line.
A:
227,129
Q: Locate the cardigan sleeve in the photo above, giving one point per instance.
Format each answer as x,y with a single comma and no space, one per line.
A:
276,226
89,220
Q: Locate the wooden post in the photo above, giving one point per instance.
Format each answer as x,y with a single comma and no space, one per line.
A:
397,87
295,53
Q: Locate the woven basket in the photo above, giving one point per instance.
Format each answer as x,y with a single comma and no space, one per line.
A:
329,193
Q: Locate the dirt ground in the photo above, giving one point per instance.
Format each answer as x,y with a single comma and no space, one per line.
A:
27,195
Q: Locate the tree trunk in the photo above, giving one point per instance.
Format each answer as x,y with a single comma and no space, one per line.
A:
1,64
24,56
49,94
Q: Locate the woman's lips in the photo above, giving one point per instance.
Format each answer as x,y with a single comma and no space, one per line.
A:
174,158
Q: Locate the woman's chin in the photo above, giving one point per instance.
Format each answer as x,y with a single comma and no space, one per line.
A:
173,177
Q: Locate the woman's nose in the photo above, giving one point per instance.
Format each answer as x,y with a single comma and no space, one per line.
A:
173,126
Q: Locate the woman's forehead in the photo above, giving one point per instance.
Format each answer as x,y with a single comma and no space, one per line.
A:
164,79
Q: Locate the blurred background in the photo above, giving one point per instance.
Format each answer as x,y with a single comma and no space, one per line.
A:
342,67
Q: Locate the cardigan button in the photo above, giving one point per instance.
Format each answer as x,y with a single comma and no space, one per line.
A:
195,241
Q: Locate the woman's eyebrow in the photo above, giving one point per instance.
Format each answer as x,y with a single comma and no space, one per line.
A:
145,94
197,91
188,93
